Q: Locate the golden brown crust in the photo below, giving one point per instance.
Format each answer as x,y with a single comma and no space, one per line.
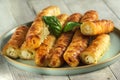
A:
95,51
42,54
69,47
16,40
56,58
97,27
38,31
56,53
77,45
50,10
62,18
90,15
75,17
43,50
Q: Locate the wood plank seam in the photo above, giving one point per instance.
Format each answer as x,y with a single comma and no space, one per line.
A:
67,6
113,73
111,9
31,7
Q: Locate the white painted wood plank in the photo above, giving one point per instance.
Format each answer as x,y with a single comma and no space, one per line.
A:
21,11
7,20
19,74
116,69
38,5
5,74
60,3
114,5
104,74
45,77
84,5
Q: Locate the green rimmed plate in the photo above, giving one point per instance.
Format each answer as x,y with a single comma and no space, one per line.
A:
112,55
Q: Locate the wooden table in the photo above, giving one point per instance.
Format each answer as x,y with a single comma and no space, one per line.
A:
15,12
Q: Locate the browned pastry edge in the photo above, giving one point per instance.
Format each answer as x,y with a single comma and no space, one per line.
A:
15,41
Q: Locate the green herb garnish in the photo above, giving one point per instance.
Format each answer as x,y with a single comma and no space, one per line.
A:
54,25
70,26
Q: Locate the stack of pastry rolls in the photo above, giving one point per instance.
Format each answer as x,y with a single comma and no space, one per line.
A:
79,41
43,52
74,47
57,52
37,33
98,47
97,27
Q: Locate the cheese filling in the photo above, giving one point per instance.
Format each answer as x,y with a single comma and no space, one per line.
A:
89,59
26,54
87,29
11,52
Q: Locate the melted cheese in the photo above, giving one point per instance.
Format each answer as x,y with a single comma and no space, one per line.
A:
26,55
11,52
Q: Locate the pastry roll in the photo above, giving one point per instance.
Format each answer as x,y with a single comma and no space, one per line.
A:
39,30
90,15
50,11
74,17
62,18
96,27
56,60
43,50
12,47
96,50
56,53
77,45
41,57
37,33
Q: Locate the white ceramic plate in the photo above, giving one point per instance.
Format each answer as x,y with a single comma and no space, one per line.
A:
112,55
